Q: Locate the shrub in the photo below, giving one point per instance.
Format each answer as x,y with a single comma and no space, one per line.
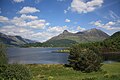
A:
11,71
3,58
14,72
85,60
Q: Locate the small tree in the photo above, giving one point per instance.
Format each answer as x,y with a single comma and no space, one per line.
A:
85,60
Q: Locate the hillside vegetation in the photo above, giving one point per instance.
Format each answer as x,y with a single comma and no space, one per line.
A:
111,44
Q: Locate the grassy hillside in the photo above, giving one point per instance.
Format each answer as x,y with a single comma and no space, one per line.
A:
59,72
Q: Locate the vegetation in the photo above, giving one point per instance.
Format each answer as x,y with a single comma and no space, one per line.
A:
85,60
14,72
11,71
57,43
59,72
86,56
111,44
37,44
3,58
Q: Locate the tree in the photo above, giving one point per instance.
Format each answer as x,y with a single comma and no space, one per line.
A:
85,60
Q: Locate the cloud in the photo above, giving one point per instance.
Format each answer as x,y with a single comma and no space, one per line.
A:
67,20
28,17
20,31
28,9
111,15
111,25
37,1
26,26
65,11
39,24
56,29
21,21
80,28
25,21
42,36
81,6
3,19
49,33
18,1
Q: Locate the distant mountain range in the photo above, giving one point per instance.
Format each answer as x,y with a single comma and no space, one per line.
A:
14,40
64,39
91,35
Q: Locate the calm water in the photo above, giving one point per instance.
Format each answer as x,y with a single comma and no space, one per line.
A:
36,56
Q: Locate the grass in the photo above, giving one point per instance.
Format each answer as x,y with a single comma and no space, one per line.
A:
59,72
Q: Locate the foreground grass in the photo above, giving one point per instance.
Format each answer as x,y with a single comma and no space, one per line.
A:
59,72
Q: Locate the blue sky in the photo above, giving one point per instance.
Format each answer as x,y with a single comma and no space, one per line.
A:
42,19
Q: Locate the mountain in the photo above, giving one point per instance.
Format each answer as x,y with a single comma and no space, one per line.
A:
115,36
113,42
113,39
13,40
80,37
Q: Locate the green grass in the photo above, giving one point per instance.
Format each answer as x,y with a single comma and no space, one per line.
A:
59,72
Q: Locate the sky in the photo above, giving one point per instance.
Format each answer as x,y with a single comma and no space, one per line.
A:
42,19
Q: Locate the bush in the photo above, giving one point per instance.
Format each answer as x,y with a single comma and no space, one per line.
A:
11,71
14,72
85,60
3,58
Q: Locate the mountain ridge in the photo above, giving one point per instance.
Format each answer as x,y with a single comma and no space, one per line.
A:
13,40
84,36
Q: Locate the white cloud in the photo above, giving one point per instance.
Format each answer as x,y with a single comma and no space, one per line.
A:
65,11
28,9
18,1
24,17
42,36
20,31
48,33
56,29
3,19
39,24
25,21
26,33
111,15
18,21
80,28
81,6
37,1
26,26
67,20
21,21
108,26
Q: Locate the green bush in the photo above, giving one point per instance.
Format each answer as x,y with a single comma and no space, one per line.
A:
85,60
11,71
3,58
14,72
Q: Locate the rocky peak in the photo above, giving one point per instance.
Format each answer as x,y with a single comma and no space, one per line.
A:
93,30
65,31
